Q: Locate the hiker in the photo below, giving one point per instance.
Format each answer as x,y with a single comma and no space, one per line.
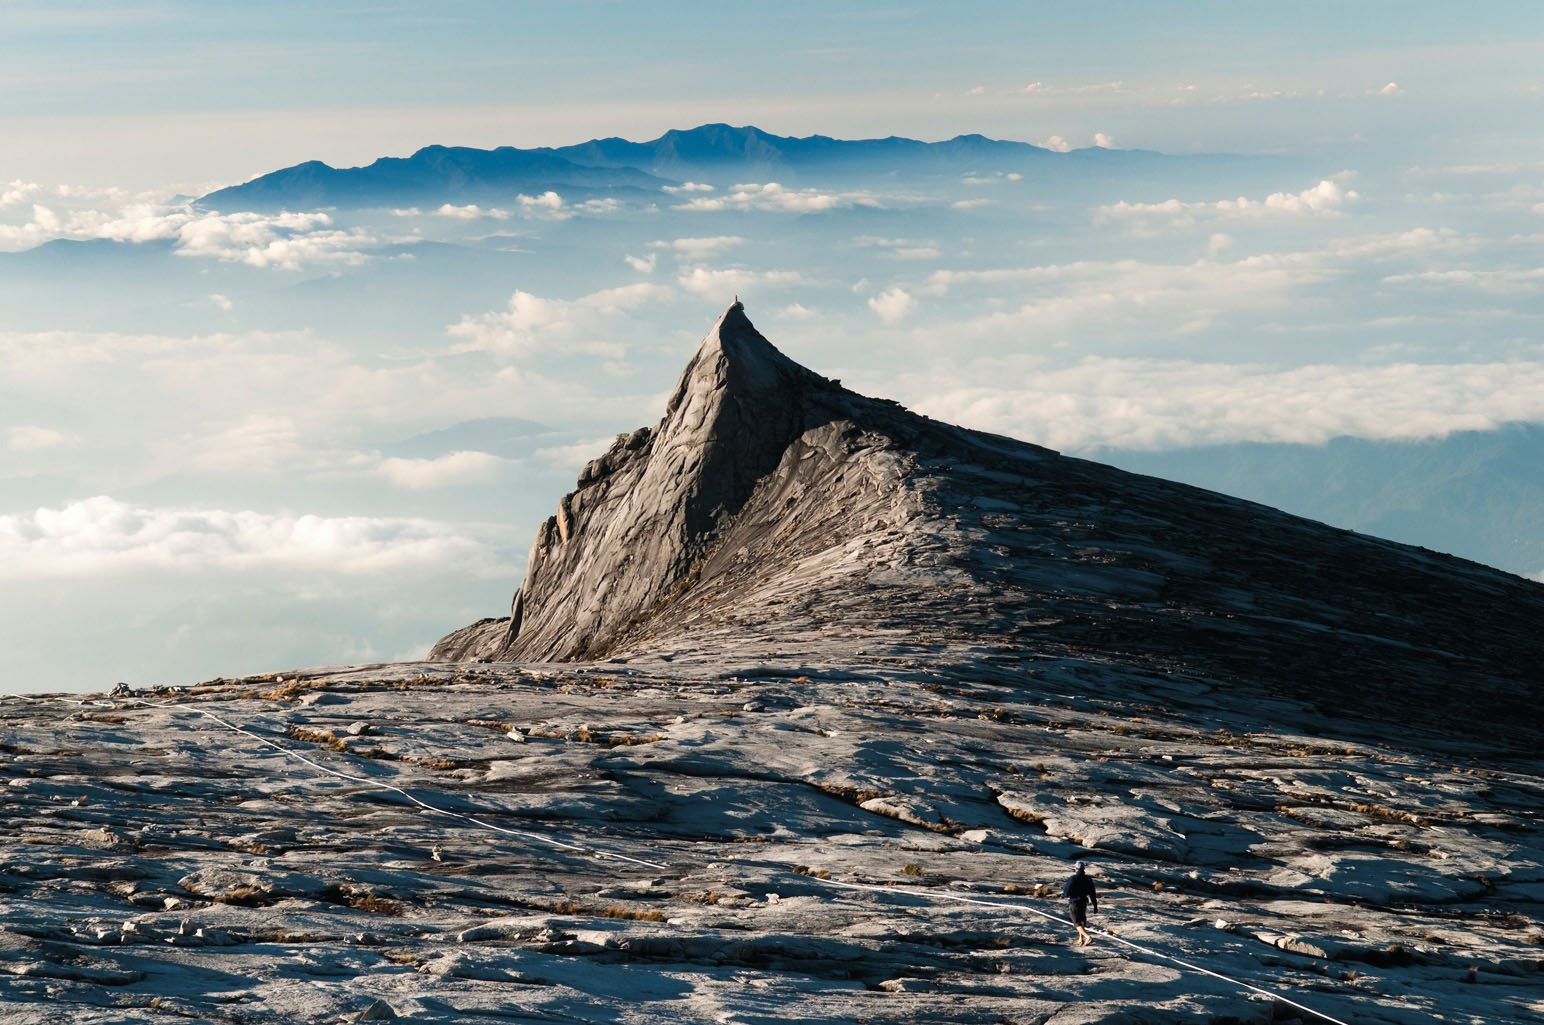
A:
1080,894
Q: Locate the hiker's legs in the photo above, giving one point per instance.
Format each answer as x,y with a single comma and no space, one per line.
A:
1079,911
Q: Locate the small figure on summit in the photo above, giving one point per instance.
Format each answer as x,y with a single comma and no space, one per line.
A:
1080,894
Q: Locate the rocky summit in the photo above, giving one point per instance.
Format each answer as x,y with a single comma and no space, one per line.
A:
803,711
773,513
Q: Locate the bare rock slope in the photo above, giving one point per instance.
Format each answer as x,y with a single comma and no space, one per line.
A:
772,510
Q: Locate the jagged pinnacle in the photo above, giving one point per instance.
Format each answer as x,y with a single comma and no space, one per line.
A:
647,510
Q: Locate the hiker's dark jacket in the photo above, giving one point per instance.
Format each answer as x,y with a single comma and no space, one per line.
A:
1081,887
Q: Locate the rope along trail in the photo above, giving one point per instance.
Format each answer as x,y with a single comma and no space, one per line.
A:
1099,932
596,852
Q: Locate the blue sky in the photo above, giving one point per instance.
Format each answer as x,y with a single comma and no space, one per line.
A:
238,441
146,94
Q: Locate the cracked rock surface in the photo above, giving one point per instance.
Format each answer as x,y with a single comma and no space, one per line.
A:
157,865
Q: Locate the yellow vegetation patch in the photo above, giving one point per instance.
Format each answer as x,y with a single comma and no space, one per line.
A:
323,737
636,916
376,905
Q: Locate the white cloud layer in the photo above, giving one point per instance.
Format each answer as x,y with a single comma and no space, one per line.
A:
285,240
1154,404
893,305
1324,199
16,190
571,458
548,200
257,443
531,325
776,197
1065,301
725,284
900,248
1498,281
32,439
697,248
455,469
102,536
470,212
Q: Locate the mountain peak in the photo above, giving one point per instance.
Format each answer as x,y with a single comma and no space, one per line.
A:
772,513
648,510
734,357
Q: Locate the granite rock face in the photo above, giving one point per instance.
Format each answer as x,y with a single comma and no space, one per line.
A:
771,506
647,511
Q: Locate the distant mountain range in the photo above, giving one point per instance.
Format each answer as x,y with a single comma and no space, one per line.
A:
701,151
717,153
445,173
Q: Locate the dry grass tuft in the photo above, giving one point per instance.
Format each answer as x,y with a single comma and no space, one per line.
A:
1378,811
323,737
376,905
1033,818
635,916
243,895
292,690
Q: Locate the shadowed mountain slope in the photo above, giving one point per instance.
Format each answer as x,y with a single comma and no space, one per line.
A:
773,511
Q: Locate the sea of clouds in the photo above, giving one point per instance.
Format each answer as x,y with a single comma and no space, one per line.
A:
201,402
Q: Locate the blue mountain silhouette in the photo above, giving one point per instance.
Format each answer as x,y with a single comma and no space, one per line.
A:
714,153
441,173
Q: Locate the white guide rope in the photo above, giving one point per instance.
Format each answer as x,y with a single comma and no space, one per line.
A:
1100,932
598,853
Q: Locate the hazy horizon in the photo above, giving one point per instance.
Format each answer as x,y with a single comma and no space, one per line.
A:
243,440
